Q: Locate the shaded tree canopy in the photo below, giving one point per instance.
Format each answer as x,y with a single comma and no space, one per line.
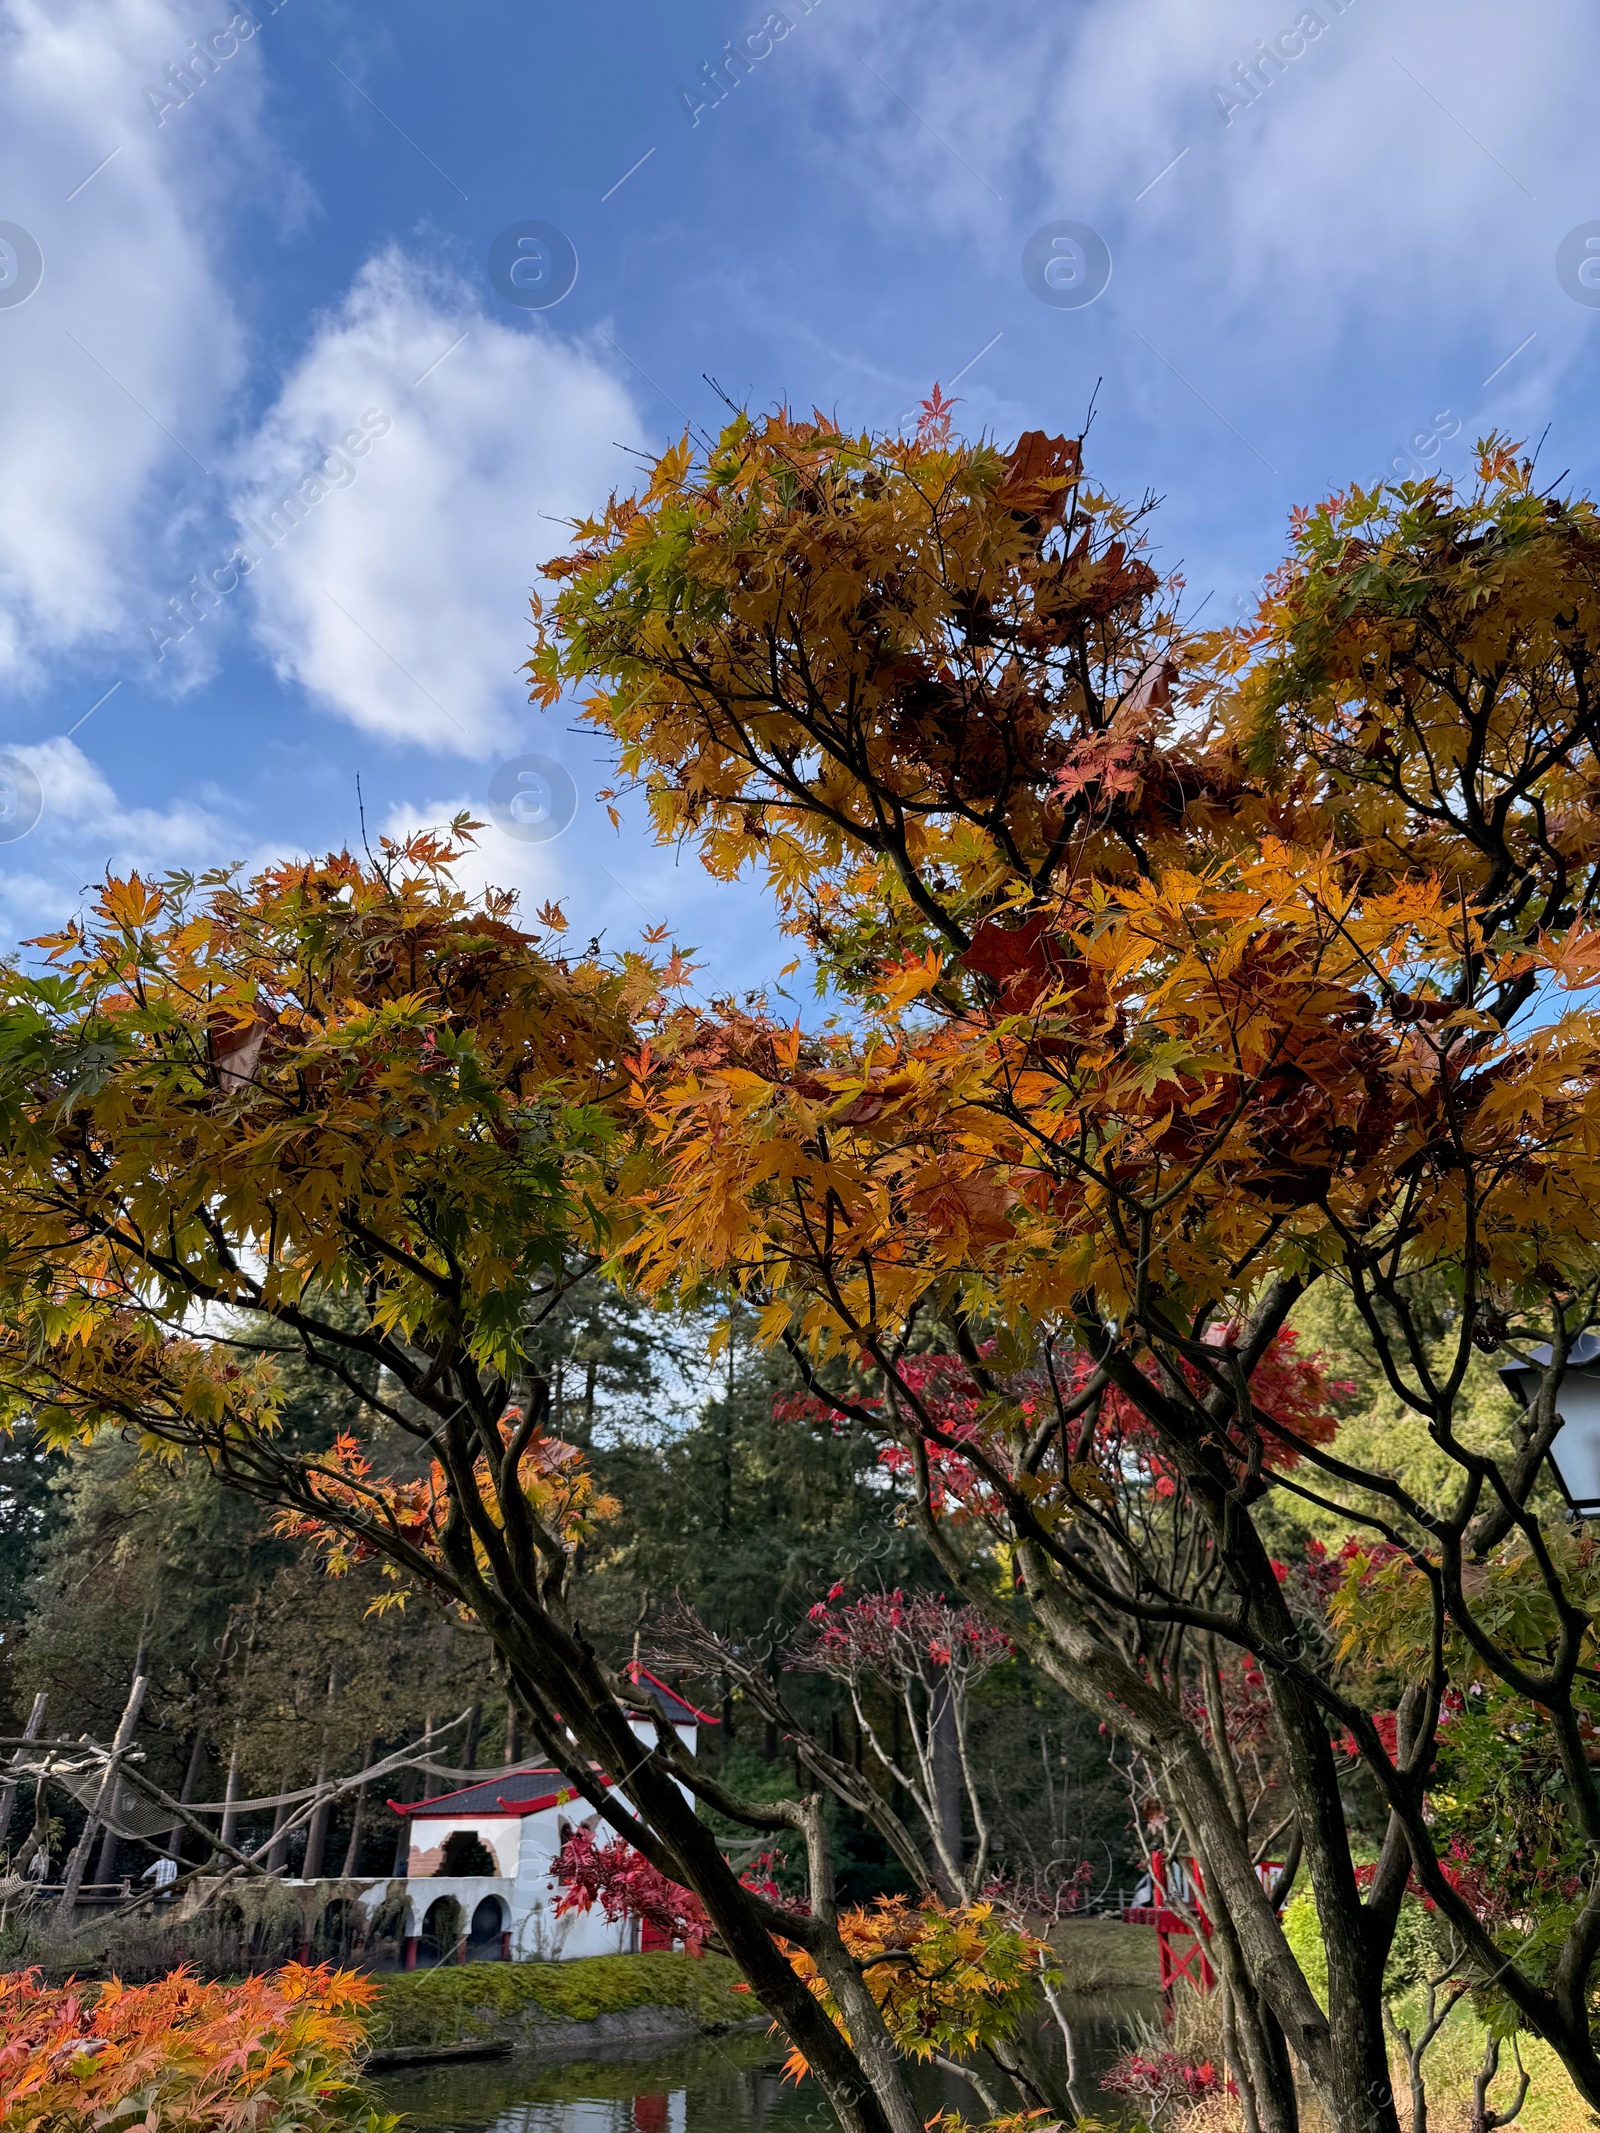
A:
1188,977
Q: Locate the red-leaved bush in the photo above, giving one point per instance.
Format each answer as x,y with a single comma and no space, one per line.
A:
263,2056
625,1885
1156,2081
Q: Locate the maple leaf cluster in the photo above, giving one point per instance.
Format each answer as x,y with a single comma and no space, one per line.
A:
946,1979
363,1516
626,1885
895,1636
208,2058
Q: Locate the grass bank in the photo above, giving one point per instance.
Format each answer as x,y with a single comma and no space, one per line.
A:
522,2003
1104,1955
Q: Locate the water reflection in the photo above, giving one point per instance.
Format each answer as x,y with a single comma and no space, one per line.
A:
718,2085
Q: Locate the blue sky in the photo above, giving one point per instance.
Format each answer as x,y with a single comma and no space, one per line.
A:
1333,233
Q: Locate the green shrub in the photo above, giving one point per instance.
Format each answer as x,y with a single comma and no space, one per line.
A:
462,2003
1413,1957
1302,1929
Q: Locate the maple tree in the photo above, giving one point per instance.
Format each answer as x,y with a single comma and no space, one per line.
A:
1176,974
625,1885
344,1107
928,1655
276,2054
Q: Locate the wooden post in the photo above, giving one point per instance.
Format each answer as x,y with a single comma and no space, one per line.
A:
352,1853
230,1795
77,1866
8,1791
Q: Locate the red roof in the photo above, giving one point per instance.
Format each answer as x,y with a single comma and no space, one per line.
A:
676,1709
527,1792
497,1795
487,1801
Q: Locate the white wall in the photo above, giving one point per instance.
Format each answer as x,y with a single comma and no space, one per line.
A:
501,1833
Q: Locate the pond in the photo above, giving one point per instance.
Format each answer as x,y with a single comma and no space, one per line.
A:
716,2085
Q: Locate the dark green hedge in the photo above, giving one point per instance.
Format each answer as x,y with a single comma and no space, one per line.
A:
464,2002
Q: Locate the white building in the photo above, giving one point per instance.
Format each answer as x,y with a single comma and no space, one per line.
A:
479,1884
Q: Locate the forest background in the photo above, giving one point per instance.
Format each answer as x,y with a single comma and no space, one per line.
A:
261,1661
730,1503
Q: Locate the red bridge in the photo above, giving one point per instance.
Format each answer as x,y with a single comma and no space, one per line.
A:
1181,1935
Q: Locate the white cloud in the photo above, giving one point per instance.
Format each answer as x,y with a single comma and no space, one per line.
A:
1392,198
495,861
86,830
119,367
399,599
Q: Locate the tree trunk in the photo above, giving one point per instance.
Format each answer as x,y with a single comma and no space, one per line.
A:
8,1791
191,1777
513,1731
1344,2054
317,1828
78,1865
105,1870
352,1851
947,1771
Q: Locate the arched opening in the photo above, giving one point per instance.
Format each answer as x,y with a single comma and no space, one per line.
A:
486,1939
466,1853
336,1932
230,1938
443,1933
387,1934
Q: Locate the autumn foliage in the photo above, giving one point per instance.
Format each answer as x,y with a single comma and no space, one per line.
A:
946,1979
614,1877
1187,972
1177,976
342,1060
274,2054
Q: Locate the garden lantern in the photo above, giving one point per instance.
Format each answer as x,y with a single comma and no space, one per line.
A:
1575,1454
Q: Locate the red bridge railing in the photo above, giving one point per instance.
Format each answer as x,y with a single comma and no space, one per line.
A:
1181,1935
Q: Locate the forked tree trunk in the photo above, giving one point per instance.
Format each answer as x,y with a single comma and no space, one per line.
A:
78,1865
